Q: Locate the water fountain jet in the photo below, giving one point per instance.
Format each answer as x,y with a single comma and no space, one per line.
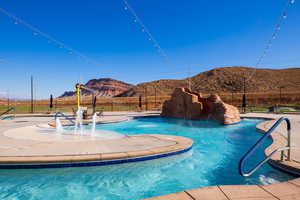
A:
59,128
95,116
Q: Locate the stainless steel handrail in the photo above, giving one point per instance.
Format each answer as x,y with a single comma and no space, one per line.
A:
260,141
7,111
63,115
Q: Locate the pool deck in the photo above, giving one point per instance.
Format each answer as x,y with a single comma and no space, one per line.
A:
289,190
23,141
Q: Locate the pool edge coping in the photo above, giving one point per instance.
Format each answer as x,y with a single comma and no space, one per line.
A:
181,145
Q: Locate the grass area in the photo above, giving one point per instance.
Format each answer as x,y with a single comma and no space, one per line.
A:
296,107
45,109
257,109
287,110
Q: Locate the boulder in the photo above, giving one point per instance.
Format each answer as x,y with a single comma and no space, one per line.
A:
189,105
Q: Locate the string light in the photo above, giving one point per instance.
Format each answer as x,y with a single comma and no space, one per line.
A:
278,27
269,44
144,29
50,39
284,15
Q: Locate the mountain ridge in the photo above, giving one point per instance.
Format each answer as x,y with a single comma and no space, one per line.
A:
105,87
224,79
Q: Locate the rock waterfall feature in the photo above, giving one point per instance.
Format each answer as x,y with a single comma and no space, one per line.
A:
189,105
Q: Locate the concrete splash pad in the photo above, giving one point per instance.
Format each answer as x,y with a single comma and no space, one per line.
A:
48,134
39,146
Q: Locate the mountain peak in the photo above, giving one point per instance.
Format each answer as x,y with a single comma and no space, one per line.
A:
106,87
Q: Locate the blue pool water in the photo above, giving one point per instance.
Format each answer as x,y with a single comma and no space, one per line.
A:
213,160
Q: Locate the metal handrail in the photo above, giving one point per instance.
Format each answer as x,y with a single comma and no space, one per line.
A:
260,141
63,115
7,111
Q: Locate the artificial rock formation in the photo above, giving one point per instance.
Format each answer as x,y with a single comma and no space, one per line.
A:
188,105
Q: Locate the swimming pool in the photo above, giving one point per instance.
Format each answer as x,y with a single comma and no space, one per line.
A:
213,160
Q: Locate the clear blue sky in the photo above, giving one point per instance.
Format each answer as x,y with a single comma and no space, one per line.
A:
201,34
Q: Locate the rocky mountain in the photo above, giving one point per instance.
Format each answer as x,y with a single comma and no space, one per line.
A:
218,80
105,87
227,79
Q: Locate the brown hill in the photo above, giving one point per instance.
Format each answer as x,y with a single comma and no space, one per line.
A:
224,80
105,87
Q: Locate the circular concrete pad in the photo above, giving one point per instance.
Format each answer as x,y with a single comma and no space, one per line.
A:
29,145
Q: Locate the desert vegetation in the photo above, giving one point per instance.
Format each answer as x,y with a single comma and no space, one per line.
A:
256,101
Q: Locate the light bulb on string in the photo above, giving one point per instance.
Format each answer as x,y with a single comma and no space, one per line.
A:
278,27
135,20
292,1
125,8
284,16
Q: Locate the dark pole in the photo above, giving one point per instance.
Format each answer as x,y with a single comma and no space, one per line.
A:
31,81
94,104
140,102
51,102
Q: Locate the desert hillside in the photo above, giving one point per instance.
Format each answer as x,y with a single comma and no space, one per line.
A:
223,80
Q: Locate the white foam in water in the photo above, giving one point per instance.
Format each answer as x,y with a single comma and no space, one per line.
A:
147,126
267,180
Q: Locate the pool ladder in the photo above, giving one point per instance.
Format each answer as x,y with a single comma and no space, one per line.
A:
8,111
60,114
260,141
